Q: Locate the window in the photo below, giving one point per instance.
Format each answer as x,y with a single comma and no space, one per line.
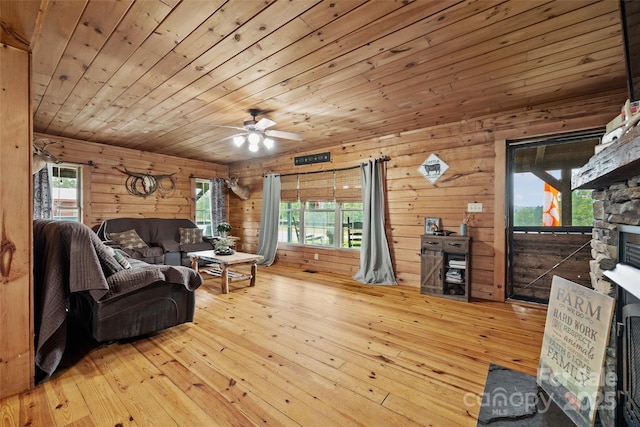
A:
66,192
322,209
288,229
319,223
538,203
203,206
550,225
541,184
351,232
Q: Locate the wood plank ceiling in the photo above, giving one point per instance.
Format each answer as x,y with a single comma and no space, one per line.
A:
157,75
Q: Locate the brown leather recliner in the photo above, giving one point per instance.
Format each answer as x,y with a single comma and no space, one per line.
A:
111,297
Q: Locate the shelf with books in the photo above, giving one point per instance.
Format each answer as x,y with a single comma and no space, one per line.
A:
445,264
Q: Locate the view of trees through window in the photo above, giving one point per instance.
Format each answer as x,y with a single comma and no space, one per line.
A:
541,182
329,224
528,211
65,185
203,206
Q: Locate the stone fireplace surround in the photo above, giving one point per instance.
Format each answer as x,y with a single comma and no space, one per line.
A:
614,175
619,204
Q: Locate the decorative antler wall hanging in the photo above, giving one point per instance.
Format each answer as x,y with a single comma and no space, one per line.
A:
145,184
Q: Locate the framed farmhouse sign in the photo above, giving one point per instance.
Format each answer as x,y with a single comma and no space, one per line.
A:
433,168
575,338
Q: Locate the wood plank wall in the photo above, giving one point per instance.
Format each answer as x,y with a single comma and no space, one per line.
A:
104,191
16,306
470,149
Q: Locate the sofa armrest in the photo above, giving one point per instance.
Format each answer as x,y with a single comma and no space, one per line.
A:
169,245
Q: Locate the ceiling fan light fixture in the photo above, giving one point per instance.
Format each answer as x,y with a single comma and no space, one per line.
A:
254,138
268,142
258,132
238,140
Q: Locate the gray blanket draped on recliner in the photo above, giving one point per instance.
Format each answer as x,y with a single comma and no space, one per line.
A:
70,258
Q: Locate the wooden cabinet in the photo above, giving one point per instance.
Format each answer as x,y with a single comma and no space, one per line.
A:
445,266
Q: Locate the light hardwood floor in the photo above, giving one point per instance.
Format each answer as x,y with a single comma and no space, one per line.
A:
297,349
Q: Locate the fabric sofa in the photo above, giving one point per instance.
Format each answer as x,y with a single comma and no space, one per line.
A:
110,296
158,241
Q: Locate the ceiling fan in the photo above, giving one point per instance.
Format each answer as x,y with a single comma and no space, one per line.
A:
256,132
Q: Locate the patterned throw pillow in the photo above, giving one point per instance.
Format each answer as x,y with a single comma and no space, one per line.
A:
122,260
128,239
190,235
108,260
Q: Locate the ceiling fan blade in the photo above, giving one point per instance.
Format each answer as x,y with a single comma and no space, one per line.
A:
284,135
227,127
264,123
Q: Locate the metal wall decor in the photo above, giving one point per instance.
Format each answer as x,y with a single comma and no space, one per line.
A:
433,168
145,184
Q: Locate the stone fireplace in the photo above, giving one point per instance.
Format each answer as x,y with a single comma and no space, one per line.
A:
614,175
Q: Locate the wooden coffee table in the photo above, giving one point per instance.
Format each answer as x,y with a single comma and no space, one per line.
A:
222,269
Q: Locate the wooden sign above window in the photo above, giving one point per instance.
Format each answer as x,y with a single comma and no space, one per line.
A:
312,158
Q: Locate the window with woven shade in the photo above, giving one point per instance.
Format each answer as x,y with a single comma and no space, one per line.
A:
322,209
289,188
348,185
316,187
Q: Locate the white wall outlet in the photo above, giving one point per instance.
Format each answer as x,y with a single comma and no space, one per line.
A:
474,207
315,256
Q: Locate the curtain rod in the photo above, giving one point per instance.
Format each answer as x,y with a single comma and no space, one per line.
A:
381,159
